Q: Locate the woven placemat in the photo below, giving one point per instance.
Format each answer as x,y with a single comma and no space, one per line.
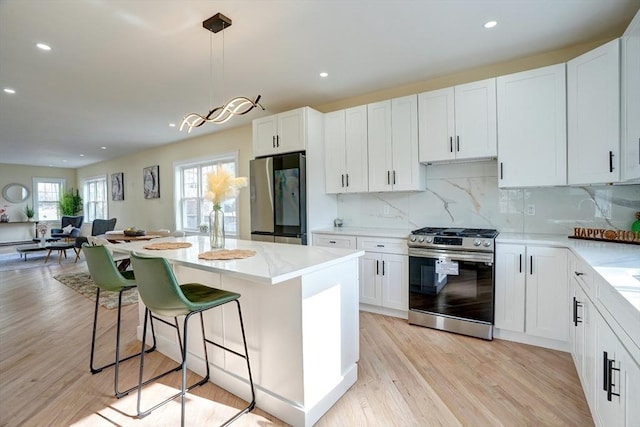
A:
167,245
227,254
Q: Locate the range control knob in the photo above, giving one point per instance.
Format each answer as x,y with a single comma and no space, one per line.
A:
412,238
487,243
476,242
421,239
429,239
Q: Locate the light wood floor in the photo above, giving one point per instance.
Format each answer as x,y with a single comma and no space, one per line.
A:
407,375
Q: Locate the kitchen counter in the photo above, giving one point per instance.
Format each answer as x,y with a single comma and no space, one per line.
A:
366,232
300,309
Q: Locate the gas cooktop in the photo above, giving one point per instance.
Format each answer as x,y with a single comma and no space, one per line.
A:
476,239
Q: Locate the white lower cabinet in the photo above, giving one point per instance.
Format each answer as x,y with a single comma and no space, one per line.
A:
617,375
582,338
334,241
532,291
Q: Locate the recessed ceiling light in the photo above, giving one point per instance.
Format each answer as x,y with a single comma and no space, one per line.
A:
43,46
172,125
490,24
324,74
64,161
81,155
104,148
9,90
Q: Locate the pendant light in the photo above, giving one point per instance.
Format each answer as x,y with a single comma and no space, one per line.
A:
234,107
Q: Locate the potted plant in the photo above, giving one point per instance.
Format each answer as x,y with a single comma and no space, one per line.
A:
70,204
29,212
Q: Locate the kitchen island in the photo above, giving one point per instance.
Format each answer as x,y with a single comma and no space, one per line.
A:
300,310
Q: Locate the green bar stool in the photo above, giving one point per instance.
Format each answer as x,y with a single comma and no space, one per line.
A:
164,296
106,276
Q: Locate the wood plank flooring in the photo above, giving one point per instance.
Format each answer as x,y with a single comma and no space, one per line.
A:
407,375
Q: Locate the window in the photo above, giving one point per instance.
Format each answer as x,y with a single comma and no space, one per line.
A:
95,198
46,198
192,208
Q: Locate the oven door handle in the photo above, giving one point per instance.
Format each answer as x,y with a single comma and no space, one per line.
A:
485,257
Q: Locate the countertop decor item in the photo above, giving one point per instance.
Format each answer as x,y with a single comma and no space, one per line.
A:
236,106
602,234
635,227
221,186
167,245
227,254
132,231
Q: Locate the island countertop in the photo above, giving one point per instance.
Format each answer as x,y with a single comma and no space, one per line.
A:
273,262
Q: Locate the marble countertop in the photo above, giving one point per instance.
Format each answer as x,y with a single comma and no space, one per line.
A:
273,263
366,232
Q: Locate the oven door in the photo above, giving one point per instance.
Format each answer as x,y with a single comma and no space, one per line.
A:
452,284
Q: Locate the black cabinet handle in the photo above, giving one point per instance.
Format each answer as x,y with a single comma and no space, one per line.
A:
380,246
501,171
605,371
451,144
611,161
576,319
388,178
342,179
531,265
394,177
383,268
458,143
333,242
347,180
377,267
577,273
611,385
277,140
520,263
273,141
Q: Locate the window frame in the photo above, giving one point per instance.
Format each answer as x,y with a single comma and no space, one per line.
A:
36,199
200,162
86,200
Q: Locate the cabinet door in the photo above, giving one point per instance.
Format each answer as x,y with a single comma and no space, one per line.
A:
291,131
264,136
395,281
475,118
547,293
630,389
532,128
593,115
370,265
630,55
510,287
357,169
580,325
436,127
379,146
335,155
404,138
607,412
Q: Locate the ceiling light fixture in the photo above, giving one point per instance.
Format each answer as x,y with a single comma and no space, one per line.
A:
234,107
324,74
490,24
43,46
9,90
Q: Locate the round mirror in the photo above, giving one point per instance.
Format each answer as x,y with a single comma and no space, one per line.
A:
15,193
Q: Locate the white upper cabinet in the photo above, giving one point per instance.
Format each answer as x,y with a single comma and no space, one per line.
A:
458,123
532,128
345,135
281,133
630,55
393,145
593,112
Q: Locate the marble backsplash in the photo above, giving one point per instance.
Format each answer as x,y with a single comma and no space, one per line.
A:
467,195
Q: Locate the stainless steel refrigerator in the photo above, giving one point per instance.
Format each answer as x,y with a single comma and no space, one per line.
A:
278,198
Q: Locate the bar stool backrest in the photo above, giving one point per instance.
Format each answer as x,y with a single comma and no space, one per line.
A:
103,269
158,286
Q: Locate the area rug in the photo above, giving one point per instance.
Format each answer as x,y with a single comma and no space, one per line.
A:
83,284
12,260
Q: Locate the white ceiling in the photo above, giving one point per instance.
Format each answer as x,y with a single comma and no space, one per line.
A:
121,71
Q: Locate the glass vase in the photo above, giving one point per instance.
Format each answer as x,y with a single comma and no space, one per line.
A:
216,228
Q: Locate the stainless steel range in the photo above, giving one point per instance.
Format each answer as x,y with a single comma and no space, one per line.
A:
451,279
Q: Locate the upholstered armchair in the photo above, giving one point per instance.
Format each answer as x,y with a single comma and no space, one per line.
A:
99,227
70,227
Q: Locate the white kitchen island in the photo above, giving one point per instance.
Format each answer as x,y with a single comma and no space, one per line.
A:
300,310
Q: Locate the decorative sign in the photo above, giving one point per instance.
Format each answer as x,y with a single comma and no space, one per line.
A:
445,266
602,234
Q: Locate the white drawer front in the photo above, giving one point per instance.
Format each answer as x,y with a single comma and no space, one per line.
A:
348,242
383,245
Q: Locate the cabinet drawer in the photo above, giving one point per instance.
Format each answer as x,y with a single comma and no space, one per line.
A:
383,245
584,274
329,240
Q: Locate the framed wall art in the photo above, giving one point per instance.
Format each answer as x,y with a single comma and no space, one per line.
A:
117,186
151,182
